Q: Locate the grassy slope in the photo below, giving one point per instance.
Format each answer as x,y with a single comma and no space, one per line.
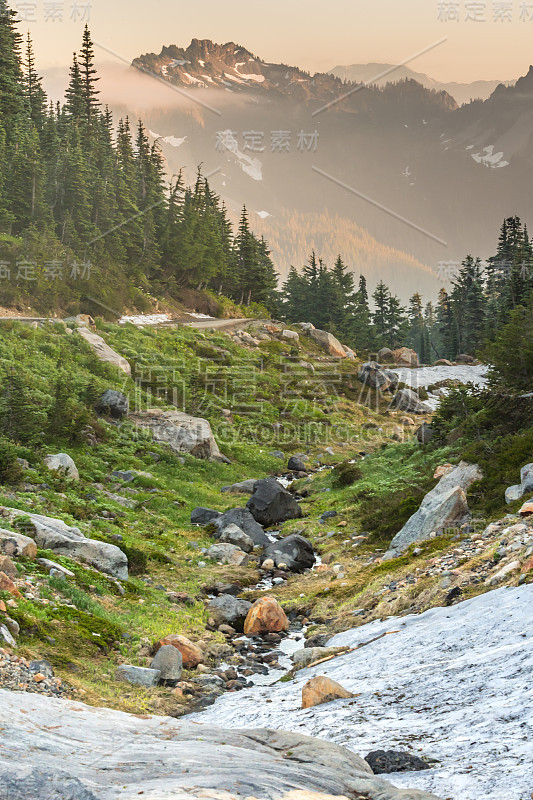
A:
86,628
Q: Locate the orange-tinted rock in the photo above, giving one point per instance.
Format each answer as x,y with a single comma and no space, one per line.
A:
442,470
8,567
7,585
265,616
405,357
3,606
190,653
321,690
527,566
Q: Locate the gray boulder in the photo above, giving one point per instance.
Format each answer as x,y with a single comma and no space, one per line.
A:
228,610
243,519
372,375
328,343
296,464
228,554
393,377
113,403
425,433
62,462
308,655
445,506
271,504
168,661
138,676
386,354
232,534
103,351
407,400
244,487
514,493
54,534
86,753
181,432
16,545
294,551
204,516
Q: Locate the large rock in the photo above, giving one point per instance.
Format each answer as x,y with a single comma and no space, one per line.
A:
271,504
383,762
445,506
371,374
228,554
514,493
407,400
113,403
228,610
204,516
190,653
183,433
243,519
265,616
405,357
321,690
294,551
296,464
63,750
138,676
308,655
425,433
62,462
16,545
386,354
169,662
243,487
232,534
328,343
103,351
54,534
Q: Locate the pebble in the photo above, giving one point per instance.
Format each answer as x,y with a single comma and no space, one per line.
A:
18,675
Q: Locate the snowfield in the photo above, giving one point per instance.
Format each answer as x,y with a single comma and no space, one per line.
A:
452,684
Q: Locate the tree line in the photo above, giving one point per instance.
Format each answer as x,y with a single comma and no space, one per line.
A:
72,181
465,319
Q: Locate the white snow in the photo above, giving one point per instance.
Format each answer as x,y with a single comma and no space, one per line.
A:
251,166
145,319
172,140
453,684
193,80
489,158
425,376
197,315
263,214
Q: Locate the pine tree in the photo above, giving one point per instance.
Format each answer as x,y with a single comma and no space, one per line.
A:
75,105
32,87
89,77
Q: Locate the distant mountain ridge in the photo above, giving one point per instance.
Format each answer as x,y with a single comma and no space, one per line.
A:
231,67
461,92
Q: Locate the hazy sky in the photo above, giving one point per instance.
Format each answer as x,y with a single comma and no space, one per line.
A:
314,34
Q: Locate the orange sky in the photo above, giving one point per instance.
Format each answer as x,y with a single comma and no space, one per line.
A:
314,34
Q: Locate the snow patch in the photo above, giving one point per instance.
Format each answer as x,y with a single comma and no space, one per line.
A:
145,319
489,158
263,214
452,683
251,166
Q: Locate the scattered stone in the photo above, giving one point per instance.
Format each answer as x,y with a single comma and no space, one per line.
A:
445,506
290,335
63,463
294,551
308,655
425,433
407,400
181,432
383,762
296,464
513,566
405,357
16,545
328,343
321,690
228,610
270,503
386,354
139,676
243,519
244,487
103,351
7,585
113,403
204,516
51,565
232,534
265,616
190,653
168,662
56,535
277,454
228,554
371,374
